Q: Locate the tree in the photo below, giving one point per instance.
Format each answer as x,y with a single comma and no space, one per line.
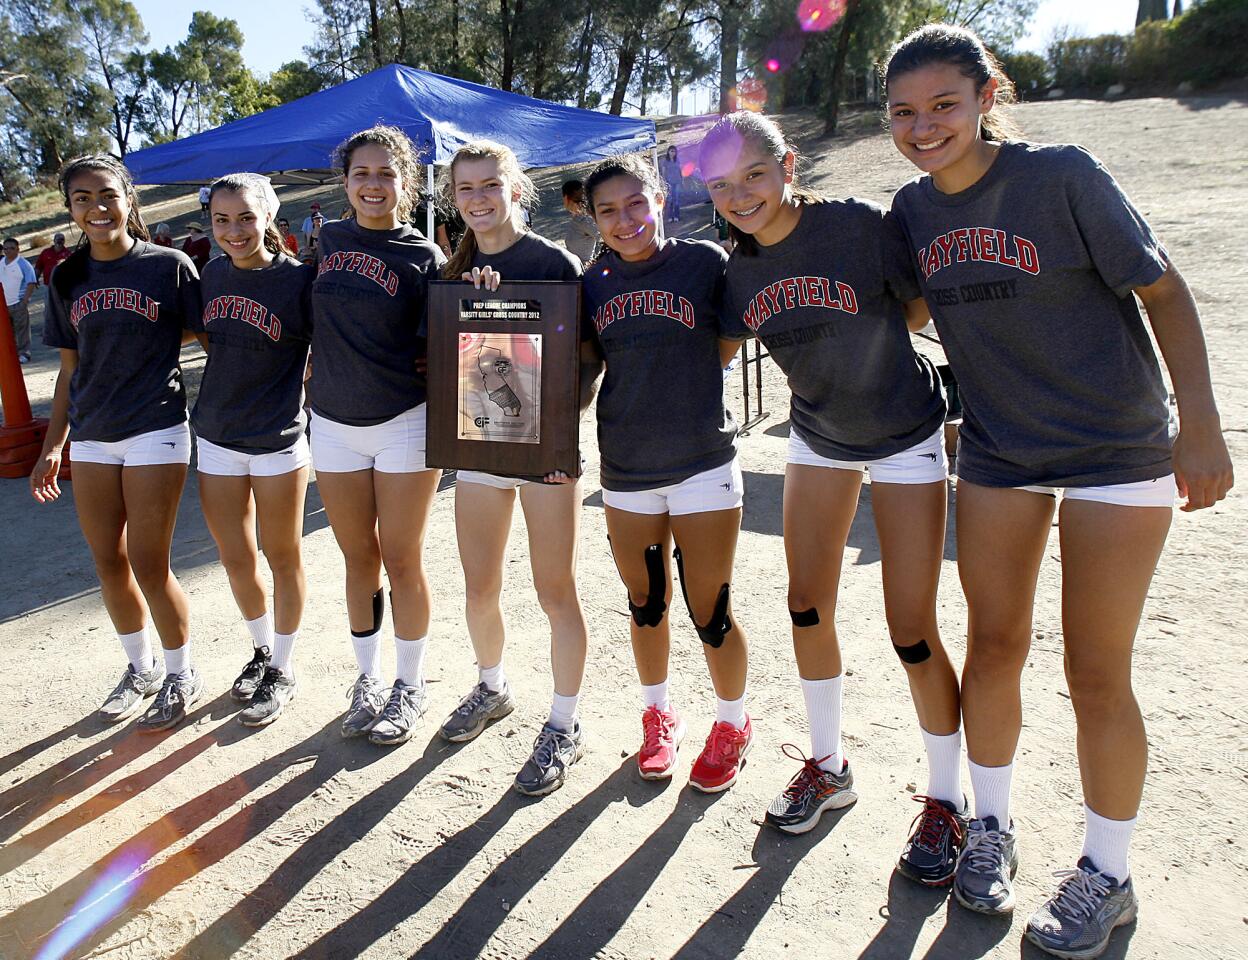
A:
195,75
114,37
295,79
1150,10
846,31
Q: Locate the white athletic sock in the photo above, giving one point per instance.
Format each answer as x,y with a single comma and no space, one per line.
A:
731,711
411,660
493,677
1107,843
992,791
656,695
179,660
138,647
368,653
283,647
944,766
563,712
823,711
261,630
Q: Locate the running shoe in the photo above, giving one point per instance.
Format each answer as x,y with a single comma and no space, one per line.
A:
811,791
986,865
127,697
661,734
554,751
936,838
367,697
717,767
177,693
481,707
397,720
276,689
1078,920
245,683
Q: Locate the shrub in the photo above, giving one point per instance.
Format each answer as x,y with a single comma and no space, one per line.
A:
1084,63
1209,42
1029,71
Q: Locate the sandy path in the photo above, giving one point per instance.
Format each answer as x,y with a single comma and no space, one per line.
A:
289,841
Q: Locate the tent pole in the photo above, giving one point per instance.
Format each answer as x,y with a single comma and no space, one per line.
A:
429,206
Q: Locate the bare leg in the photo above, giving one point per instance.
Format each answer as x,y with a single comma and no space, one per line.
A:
352,511
102,516
482,526
231,518
403,504
631,534
151,495
279,502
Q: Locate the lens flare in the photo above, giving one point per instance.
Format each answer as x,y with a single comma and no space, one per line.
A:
101,903
815,16
687,168
752,95
773,65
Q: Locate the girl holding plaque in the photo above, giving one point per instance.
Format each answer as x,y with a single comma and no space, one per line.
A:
1032,259
368,420
491,193
669,463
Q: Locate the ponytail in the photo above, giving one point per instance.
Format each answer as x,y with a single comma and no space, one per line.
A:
510,172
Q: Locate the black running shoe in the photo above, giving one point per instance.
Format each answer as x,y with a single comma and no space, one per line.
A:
812,790
245,685
936,838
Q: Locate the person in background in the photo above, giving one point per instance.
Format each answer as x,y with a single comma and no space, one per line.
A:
314,233
669,169
197,246
288,238
306,229
50,257
205,194
163,236
580,235
19,281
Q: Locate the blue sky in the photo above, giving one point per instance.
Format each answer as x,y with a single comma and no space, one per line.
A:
277,30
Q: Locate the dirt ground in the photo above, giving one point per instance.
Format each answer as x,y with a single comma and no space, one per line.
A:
214,841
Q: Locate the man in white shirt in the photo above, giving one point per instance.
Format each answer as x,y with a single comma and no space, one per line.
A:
18,277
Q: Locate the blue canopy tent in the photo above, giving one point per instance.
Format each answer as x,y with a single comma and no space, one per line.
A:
293,143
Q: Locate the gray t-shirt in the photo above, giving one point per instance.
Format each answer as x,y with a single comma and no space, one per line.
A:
368,304
125,318
580,236
1029,274
827,303
532,257
259,326
661,413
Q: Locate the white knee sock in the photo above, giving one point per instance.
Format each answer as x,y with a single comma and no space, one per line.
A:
992,791
731,711
411,660
179,660
656,695
493,677
138,647
823,711
944,766
368,653
1107,843
563,712
283,647
261,630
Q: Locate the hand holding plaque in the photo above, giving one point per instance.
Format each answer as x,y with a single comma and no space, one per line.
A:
504,378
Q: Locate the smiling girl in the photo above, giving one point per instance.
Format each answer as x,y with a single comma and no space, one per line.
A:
490,191
249,423
1032,259
368,420
827,286
669,465
117,309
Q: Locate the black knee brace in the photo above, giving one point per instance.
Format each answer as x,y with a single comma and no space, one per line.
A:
804,618
720,623
915,653
650,613
379,611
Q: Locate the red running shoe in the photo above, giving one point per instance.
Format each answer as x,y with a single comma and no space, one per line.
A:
716,769
661,732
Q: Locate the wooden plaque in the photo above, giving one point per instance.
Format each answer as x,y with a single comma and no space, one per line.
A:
504,378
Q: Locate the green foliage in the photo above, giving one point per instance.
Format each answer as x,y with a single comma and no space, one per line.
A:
295,79
1089,63
1028,71
1210,40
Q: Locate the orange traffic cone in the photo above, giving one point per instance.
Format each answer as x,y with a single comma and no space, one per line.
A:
21,436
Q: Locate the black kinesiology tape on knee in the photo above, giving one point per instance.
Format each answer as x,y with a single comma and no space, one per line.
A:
379,611
720,623
650,613
915,653
804,618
